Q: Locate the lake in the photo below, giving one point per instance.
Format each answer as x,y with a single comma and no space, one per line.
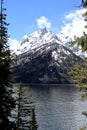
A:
58,107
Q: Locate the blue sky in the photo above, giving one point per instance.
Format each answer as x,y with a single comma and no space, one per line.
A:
27,16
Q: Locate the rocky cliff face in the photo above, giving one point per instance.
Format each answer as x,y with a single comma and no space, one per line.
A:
44,62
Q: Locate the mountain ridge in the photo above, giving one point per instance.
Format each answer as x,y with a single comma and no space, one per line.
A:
44,63
37,38
44,36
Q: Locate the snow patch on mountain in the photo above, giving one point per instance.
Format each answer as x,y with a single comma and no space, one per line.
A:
36,39
41,37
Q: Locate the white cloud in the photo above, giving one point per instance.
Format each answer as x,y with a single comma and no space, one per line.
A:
43,22
74,24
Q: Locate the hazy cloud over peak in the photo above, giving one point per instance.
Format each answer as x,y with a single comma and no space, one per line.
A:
43,22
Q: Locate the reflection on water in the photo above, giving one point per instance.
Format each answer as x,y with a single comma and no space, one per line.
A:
58,107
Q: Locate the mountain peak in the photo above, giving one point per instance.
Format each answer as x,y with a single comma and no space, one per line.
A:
36,39
44,30
41,31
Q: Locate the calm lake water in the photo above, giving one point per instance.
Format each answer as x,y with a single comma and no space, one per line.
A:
58,107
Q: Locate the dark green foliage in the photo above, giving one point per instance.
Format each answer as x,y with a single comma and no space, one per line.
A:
79,73
6,100
33,122
25,109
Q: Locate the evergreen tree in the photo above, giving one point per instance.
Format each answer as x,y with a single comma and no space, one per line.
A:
79,74
79,71
33,123
6,100
25,109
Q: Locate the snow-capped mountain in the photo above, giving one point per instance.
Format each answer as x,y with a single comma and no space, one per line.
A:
36,39
43,36
43,59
